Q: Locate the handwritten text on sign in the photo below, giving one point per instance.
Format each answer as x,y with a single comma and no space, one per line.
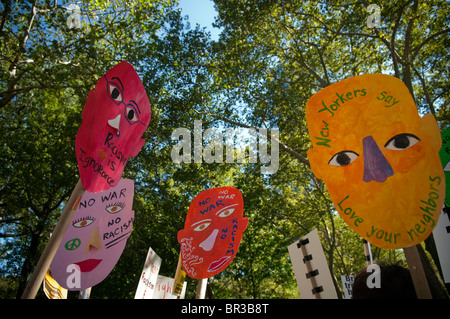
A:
147,283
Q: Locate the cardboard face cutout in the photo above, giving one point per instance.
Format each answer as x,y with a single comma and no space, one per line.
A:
95,238
212,232
378,158
115,116
444,154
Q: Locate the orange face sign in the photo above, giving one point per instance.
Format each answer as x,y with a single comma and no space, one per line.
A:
212,232
378,158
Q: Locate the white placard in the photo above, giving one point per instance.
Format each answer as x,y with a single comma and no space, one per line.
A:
319,264
164,289
347,283
147,283
442,240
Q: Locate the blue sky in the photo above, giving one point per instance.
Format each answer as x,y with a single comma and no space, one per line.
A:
200,12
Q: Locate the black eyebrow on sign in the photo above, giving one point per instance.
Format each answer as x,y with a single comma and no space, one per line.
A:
136,106
119,81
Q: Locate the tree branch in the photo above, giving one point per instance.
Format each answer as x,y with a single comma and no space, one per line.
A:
283,146
431,37
394,33
425,91
10,235
7,8
406,67
322,82
30,24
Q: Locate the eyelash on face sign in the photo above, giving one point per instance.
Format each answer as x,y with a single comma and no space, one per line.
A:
115,208
202,226
83,221
224,212
343,158
399,142
402,142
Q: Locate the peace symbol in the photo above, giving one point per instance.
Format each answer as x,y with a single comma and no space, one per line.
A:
73,244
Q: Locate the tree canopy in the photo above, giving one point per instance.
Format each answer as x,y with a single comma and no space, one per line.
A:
270,58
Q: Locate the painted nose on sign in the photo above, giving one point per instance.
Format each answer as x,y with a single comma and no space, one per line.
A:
208,243
94,241
376,166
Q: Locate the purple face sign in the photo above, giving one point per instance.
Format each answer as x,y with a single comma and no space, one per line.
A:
95,238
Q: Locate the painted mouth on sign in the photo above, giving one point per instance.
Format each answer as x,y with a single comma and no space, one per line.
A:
88,264
218,263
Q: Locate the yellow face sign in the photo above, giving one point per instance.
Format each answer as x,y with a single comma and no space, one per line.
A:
378,158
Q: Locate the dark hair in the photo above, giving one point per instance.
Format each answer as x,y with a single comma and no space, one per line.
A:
395,283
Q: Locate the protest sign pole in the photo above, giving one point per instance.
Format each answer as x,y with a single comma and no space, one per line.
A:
201,288
310,271
53,243
417,272
367,252
177,271
85,293
178,281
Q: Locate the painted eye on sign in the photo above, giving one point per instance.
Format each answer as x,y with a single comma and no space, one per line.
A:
378,158
116,114
94,244
212,232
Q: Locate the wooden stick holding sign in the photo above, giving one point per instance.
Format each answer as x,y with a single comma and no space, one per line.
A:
85,293
178,281
310,272
367,252
201,288
417,273
53,243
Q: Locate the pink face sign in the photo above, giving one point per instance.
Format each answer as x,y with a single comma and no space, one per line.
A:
95,238
212,232
115,116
